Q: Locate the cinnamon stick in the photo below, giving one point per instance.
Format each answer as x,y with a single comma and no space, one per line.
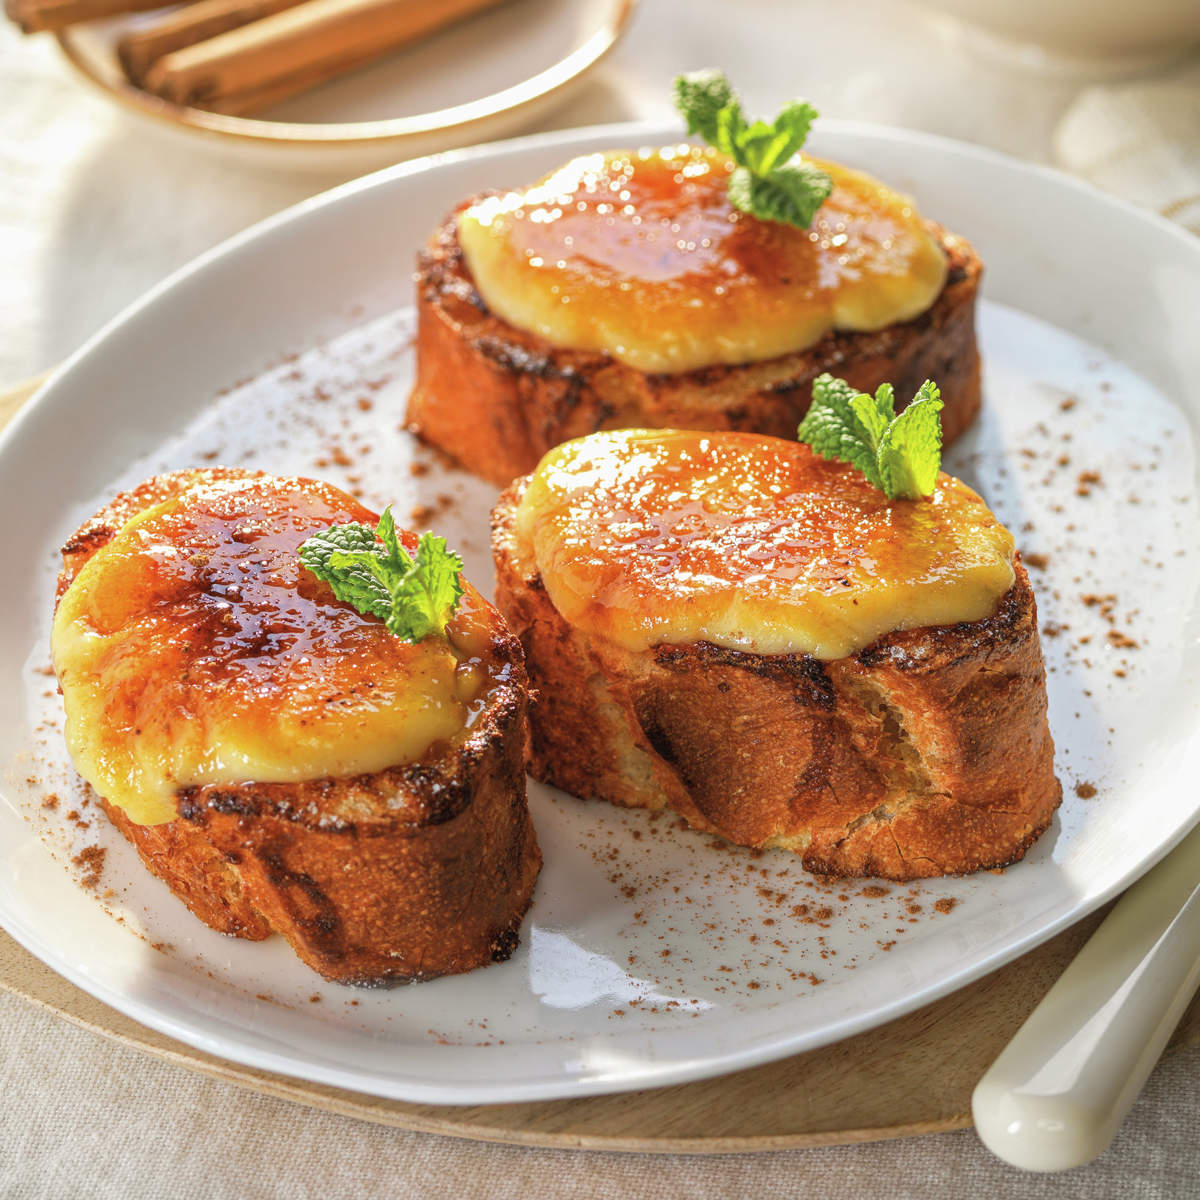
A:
41,16
141,47
298,48
255,100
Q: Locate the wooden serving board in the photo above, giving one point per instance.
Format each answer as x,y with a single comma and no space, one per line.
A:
912,1076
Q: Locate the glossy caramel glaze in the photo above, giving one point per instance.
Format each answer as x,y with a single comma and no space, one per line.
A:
641,255
668,537
192,648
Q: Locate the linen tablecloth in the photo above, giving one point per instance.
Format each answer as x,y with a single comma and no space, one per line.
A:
94,209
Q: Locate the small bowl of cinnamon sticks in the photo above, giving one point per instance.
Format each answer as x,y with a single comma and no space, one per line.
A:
330,84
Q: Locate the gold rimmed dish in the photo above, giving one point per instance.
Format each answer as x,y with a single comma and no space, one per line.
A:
482,79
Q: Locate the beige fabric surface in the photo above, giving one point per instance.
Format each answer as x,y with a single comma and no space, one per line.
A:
93,210
1139,140
82,1116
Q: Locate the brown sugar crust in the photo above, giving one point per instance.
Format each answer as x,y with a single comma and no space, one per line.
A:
496,398
408,873
928,753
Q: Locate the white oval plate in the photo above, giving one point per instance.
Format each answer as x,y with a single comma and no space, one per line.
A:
652,955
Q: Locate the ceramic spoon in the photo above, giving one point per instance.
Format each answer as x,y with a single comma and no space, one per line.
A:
1061,1088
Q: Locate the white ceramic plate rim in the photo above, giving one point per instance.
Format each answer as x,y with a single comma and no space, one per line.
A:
54,399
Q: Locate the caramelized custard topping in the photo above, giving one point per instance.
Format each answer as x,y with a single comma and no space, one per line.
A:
193,648
641,255
648,537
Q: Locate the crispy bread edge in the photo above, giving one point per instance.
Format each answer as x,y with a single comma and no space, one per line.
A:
409,873
928,753
496,398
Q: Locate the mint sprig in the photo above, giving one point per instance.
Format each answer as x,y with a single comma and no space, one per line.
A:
765,183
899,455
371,570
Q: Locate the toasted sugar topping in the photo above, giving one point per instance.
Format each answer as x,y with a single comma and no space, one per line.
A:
641,255
662,537
193,648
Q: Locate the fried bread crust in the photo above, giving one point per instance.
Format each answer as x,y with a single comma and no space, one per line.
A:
927,753
496,398
408,873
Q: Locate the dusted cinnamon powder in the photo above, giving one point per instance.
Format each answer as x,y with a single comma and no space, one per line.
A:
91,861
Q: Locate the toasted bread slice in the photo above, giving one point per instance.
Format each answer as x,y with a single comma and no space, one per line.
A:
420,869
926,753
495,398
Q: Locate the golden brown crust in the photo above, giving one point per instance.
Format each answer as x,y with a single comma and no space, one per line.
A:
496,398
928,753
408,873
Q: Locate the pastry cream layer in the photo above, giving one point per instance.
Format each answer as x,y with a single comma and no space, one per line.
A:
193,649
640,255
752,543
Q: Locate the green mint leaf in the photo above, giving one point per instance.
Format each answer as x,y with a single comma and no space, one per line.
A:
731,128
350,576
765,147
835,431
700,96
766,184
790,194
372,571
395,556
875,412
910,451
899,455
429,591
754,146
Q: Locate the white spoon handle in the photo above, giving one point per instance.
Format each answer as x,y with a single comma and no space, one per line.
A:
1061,1088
